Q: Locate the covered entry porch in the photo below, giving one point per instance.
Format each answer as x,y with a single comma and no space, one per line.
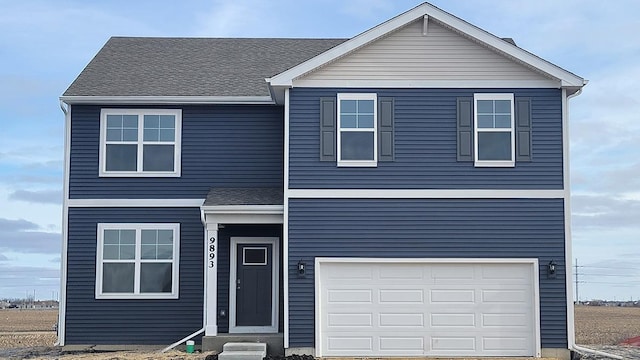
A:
243,278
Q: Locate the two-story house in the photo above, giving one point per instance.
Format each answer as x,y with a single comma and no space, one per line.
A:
404,192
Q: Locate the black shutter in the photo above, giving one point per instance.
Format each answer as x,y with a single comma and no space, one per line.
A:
385,129
328,129
465,128
523,129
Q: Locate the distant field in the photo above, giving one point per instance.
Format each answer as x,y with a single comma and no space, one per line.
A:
595,325
20,328
603,325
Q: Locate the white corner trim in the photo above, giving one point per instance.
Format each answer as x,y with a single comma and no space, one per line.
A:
568,248
135,202
566,78
285,220
166,100
424,194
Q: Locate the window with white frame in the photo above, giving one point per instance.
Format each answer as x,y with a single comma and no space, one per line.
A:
494,135
357,125
135,142
137,261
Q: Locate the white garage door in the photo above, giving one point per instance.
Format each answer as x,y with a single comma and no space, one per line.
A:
432,309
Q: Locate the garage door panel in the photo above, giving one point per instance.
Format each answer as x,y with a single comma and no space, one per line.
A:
404,320
350,296
452,295
410,310
439,320
401,296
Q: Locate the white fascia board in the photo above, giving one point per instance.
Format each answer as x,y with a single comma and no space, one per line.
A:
352,260
566,78
166,100
135,202
439,84
424,194
243,209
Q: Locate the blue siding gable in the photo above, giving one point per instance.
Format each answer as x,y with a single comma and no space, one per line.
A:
222,146
425,144
427,228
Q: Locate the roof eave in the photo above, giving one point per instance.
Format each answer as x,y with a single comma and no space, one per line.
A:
166,100
566,78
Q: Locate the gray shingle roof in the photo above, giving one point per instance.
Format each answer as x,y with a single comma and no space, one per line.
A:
244,196
136,66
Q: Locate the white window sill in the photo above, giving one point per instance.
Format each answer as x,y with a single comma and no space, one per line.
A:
495,164
357,163
138,174
116,296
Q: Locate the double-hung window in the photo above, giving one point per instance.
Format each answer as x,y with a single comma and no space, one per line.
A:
137,261
136,142
494,137
357,130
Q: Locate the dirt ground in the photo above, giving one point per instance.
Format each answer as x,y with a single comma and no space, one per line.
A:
28,334
603,325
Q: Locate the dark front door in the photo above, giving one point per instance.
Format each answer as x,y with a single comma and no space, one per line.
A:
254,284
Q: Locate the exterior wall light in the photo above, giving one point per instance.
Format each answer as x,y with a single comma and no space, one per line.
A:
302,268
551,269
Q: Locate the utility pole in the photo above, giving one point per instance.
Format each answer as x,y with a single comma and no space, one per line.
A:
577,294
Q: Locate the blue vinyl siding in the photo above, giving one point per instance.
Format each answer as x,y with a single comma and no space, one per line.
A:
91,321
425,144
222,146
429,228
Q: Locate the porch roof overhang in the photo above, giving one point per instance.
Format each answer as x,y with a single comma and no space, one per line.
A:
243,206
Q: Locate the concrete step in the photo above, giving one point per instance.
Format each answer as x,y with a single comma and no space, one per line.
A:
244,346
242,355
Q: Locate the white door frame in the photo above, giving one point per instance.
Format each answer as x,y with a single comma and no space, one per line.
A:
275,273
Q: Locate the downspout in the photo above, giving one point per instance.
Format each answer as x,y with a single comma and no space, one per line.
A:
572,344
62,300
188,337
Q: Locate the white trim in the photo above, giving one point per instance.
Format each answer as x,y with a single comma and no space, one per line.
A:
532,261
166,100
140,142
422,84
477,130
357,163
138,227
62,301
285,220
243,209
425,25
424,194
275,286
568,247
566,78
135,202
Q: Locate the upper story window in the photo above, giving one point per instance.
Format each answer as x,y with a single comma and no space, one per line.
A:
137,261
357,141
135,142
494,135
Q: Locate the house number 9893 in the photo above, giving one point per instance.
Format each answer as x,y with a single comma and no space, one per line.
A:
212,251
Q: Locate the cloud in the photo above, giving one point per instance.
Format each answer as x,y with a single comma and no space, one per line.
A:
22,236
38,196
15,280
7,225
605,211
3,258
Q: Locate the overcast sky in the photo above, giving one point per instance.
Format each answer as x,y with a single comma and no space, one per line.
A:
45,44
